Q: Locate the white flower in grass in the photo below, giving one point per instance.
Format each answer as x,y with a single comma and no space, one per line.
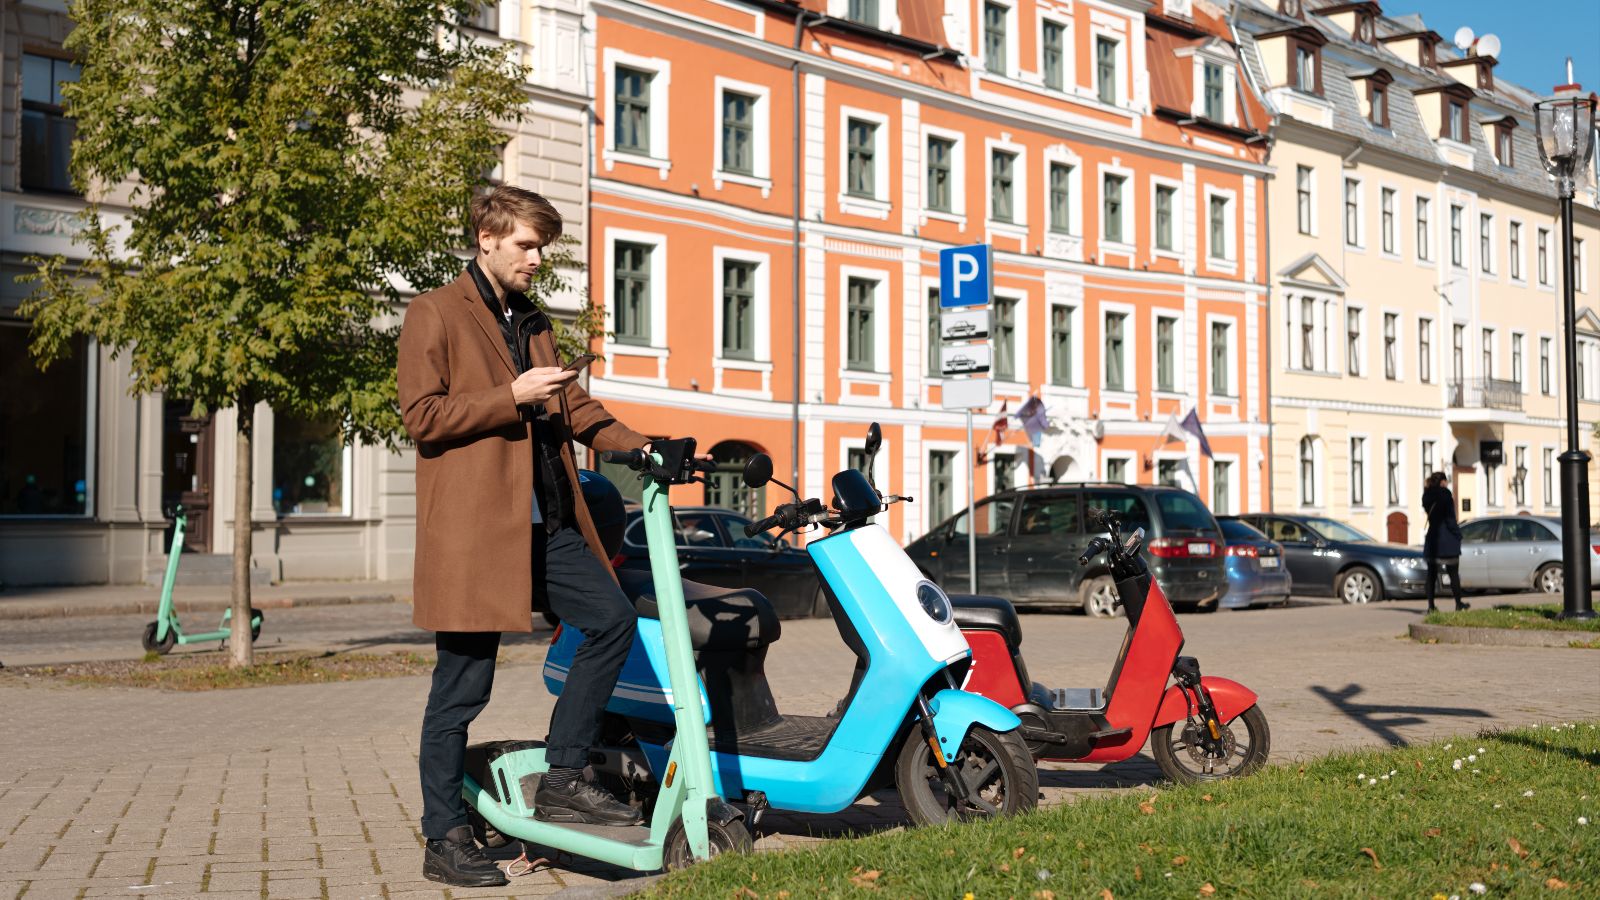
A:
1385,778
1393,771
1478,887
1456,765
1583,820
1447,746
1481,750
1497,806
1361,776
1472,757
1372,781
1527,793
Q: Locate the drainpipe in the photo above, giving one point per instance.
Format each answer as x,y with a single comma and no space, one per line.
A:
799,147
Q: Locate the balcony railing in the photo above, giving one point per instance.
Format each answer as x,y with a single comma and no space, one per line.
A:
1486,393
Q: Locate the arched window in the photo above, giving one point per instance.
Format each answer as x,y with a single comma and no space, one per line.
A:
725,487
1309,476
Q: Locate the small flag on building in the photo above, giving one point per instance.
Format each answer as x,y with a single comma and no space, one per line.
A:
1033,419
1174,430
1001,424
1191,424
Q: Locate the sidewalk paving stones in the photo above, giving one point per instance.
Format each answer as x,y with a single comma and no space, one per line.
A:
311,790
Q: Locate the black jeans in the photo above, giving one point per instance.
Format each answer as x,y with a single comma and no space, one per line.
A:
582,592
1451,568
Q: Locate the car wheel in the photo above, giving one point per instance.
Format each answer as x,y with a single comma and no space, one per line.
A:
1358,585
1549,579
1099,596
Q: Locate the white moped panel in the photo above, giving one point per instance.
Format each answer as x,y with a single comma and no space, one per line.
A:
900,577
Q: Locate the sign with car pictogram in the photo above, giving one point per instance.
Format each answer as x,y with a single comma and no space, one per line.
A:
965,325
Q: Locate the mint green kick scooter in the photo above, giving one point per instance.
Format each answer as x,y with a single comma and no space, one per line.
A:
689,821
165,631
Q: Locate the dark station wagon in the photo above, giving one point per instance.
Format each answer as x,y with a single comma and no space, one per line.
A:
1029,541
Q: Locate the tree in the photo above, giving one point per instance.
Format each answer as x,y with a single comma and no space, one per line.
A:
292,164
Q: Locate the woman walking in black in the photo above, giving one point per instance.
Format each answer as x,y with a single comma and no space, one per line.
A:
1442,545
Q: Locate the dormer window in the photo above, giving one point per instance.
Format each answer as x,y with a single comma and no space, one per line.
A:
864,12
1213,92
1455,122
1375,89
1504,141
1301,47
1307,74
1451,119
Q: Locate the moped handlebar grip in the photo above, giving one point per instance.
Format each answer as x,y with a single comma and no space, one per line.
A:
633,459
755,528
1095,548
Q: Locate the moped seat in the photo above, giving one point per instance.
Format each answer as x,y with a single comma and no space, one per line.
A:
975,611
719,618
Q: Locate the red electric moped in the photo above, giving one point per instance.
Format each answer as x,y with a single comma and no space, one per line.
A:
1204,727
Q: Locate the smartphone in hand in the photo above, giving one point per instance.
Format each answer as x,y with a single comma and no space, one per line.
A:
579,364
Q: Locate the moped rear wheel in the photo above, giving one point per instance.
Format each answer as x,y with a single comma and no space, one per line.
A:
997,769
1182,758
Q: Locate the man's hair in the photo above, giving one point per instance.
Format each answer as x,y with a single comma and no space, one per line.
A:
498,211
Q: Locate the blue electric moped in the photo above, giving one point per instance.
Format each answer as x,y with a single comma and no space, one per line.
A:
950,753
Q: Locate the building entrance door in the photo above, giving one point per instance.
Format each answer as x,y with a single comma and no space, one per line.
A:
186,471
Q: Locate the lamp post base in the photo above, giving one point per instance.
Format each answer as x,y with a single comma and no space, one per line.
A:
1576,601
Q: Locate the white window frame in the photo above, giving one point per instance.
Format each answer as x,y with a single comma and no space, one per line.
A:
878,205
1426,255
1517,265
1357,241
1127,246
1363,366
888,14
1069,69
347,461
1013,63
1519,373
1229,260
1130,467
1399,339
1010,452
1232,323
1401,491
1486,266
1318,471
1186,476
761,328
1232,461
1022,342
1312,199
1366,469
1544,277
761,135
1180,363
1399,230
1547,364
1521,503
1580,264
1075,377
958,485
1130,350
1493,349
1427,456
1430,365
660,157
1230,84
880,324
1179,218
1019,187
1063,155
1549,476
658,301
958,176
1099,29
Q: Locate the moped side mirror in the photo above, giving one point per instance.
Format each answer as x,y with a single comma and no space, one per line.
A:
874,442
758,471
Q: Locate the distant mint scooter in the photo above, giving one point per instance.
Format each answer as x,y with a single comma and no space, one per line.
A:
905,722
165,631
689,821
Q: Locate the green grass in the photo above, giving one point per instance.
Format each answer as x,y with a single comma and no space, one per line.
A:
211,672
1390,823
1528,618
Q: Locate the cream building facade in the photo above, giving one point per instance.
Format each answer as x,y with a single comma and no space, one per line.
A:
86,470
1416,267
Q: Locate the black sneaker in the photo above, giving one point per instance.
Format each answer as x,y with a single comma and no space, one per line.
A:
457,861
581,803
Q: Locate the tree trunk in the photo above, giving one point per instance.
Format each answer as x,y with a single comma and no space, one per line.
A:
243,483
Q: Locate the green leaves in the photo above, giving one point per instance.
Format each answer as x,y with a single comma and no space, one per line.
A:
291,164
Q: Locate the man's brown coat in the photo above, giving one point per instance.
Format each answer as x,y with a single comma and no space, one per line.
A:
475,461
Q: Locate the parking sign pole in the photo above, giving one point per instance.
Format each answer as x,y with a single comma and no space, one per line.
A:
972,524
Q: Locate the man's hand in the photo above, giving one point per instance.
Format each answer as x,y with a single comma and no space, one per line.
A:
540,384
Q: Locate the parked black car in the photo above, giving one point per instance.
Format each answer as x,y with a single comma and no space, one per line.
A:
712,549
1029,541
1328,557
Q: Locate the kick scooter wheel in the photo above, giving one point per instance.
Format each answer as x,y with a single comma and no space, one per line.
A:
730,838
162,646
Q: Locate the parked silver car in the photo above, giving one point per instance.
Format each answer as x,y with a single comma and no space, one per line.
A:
1515,553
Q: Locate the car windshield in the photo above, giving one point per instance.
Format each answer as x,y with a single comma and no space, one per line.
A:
1338,531
1235,530
1183,512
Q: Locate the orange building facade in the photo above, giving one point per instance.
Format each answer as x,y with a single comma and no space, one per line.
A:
1111,152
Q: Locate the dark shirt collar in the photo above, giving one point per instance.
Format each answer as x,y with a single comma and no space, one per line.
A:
518,302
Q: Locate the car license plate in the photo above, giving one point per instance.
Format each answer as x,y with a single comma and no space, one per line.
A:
1200,548
1269,562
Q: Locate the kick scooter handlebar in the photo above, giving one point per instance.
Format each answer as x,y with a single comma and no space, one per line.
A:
678,462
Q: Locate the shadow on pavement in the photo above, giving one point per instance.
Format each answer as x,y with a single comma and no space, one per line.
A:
1382,720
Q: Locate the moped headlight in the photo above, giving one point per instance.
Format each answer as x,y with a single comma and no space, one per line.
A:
934,602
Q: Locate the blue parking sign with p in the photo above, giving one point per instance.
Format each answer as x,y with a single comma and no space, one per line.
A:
966,275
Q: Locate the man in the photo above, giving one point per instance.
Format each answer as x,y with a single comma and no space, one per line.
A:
493,416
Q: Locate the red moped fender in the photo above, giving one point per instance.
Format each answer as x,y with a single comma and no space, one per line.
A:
1229,697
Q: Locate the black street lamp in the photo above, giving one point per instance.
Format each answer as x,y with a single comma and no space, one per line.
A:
1565,125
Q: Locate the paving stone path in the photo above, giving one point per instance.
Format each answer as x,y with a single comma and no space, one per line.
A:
311,791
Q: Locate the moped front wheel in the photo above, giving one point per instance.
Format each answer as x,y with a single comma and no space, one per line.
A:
732,837
997,769
1185,760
